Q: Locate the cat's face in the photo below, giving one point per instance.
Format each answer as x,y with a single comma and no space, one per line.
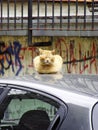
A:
46,57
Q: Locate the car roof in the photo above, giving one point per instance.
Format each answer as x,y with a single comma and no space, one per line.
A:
87,84
72,88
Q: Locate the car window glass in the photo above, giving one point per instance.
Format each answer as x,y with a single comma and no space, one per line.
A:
19,102
1,90
3,93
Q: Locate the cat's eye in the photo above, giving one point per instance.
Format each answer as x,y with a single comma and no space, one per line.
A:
42,57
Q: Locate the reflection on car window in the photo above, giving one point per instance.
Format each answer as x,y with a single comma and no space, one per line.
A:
1,90
19,102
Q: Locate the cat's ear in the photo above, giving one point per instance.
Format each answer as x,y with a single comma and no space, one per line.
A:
53,52
40,51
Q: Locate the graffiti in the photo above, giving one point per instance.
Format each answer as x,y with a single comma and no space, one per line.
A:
80,62
12,56
6,53
17,48
77,57
4,56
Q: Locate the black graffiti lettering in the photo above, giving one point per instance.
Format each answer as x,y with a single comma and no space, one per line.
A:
5,57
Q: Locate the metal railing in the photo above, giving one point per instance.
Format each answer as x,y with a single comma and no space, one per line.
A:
51,15
10,18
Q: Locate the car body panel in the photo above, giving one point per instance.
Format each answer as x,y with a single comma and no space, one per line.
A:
77,91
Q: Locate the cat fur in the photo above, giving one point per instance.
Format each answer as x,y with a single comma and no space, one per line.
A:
47,62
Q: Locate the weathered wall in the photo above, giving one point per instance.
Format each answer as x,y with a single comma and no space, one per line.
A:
80,55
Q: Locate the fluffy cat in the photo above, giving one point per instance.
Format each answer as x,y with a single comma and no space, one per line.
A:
47,62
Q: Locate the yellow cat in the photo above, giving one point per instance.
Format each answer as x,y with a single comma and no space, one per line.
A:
47,62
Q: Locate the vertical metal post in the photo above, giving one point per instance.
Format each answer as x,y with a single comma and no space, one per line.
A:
1,12
45,14
53,14
84,14
14,14
61,14
38,9
92,14
29,22
8,14
22,2
68,14
76,15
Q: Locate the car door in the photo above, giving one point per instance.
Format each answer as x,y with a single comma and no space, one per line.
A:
27,109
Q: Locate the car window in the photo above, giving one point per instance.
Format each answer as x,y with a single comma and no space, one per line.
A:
20,107
1,90
3,93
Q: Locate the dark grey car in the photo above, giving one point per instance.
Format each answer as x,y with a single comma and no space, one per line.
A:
49,102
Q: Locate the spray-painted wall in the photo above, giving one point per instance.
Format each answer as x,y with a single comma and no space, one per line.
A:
80,55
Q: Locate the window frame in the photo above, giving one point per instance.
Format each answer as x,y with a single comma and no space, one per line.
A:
62,105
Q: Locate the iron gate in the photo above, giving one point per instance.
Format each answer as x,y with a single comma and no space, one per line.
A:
54,16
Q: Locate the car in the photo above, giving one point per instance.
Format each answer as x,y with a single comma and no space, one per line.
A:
49,102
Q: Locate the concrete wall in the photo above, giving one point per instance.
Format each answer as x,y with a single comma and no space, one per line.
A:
80,55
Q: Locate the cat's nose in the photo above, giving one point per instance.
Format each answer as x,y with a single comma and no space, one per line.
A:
46,61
